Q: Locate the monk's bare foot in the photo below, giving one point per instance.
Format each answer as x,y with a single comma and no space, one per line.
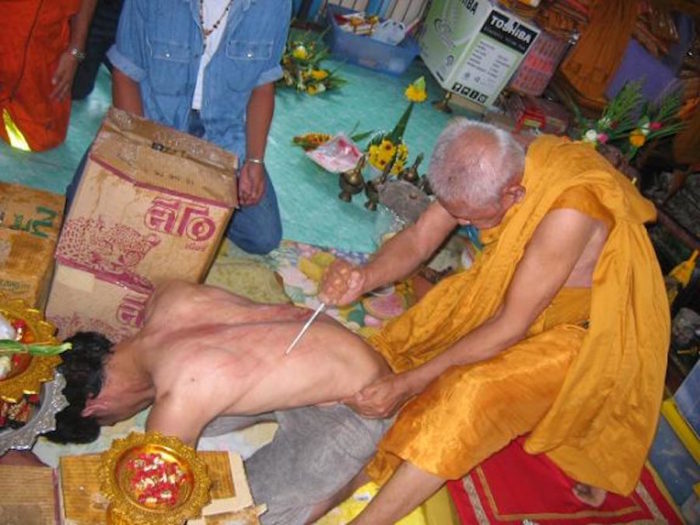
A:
592,496
25,458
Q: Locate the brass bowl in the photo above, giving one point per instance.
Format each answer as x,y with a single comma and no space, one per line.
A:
33,370
122,465
43,419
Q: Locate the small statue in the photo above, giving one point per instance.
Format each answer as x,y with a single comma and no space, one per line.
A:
372,192
352,182
372,186
411,174
444,104
424,185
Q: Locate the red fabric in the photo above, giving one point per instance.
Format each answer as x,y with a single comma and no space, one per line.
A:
513,486
33,35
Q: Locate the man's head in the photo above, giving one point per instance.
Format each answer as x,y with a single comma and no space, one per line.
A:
82,368
475,172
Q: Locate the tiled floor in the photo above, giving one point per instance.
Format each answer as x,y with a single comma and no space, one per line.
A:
311,211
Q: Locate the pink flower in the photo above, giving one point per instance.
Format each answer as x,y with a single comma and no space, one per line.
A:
654,126
602,138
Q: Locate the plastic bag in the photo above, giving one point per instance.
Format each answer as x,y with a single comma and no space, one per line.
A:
337,155
390,32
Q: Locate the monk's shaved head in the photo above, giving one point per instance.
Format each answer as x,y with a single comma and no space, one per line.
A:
473,162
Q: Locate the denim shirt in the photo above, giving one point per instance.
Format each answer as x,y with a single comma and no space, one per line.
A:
159,44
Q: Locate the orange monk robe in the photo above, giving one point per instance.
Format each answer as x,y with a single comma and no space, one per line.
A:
598,419
33,35
596,56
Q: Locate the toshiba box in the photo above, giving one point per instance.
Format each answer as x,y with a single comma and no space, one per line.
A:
152,205
472,47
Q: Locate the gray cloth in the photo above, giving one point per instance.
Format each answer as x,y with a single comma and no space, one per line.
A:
315,452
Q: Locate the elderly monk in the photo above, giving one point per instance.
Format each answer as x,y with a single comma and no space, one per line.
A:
559,331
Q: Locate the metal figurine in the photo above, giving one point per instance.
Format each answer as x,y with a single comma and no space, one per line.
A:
424,185
411,174
444,104
352,182
372,186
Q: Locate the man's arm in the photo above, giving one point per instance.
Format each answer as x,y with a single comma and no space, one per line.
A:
396,259
260,109
171,415
68,64
126,93
549,259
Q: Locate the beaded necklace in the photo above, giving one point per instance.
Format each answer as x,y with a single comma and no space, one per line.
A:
206,32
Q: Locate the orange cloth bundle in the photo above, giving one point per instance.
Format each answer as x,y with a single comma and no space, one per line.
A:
33,35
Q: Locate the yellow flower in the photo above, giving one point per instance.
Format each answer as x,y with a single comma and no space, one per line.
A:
311,90
637,138
319,74
300,52
416,91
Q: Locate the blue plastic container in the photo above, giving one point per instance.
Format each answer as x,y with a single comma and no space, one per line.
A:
367,52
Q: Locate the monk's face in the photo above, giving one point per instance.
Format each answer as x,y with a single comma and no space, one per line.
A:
482,217
489,215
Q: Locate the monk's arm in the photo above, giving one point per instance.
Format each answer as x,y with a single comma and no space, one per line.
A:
549,259
404,252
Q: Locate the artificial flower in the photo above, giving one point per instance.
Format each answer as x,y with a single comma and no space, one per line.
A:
637,138
415,92
319,74
590,136
602,138
300,52
314,89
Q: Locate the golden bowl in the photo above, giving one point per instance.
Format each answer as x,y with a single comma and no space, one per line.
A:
32,371
151,479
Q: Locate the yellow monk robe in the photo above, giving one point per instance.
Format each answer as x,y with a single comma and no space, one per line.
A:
590,397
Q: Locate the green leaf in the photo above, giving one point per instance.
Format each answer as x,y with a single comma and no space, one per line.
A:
15,347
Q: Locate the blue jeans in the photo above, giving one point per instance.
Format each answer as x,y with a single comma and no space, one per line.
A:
255,229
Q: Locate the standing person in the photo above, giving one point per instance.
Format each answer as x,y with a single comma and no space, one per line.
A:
103,31
208,67
42,43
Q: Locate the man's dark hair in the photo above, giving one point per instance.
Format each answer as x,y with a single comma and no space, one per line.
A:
82,367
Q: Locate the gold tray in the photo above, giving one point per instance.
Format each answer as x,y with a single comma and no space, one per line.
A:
119,466
34,370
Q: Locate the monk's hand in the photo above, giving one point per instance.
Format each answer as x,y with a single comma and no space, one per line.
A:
383,398
251,183
342,283
62,78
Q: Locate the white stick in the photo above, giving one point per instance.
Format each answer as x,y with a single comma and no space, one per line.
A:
305,328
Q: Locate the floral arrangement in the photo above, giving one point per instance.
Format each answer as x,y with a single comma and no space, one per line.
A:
302,69
311,141
628,122
389,148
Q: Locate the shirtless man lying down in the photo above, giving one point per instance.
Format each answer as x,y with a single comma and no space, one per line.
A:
203,353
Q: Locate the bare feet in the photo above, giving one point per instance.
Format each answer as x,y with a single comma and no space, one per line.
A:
592,496
25,458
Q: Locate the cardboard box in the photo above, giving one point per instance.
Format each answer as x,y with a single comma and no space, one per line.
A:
152,202
152,205
83,301
29,224
473,47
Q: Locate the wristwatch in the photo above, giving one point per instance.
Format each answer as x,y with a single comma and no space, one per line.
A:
77,54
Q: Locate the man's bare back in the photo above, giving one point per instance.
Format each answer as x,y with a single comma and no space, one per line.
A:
208,353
